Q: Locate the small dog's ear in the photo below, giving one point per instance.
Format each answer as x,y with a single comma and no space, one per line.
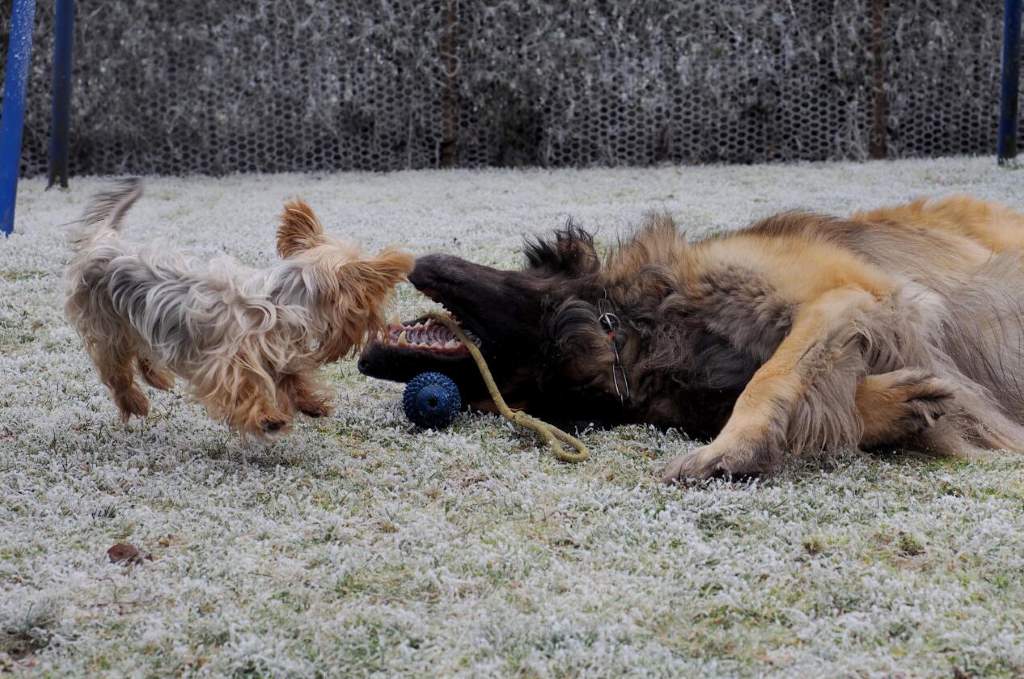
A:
361,291
374,277
299,230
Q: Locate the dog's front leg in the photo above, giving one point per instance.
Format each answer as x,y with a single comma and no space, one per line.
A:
754,438
304,393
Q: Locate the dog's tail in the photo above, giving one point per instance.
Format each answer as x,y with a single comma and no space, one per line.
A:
299,230
105,212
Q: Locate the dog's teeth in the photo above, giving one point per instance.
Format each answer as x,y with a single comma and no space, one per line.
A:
403,339
451,344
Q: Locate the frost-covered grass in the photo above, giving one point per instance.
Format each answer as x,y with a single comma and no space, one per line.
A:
360,546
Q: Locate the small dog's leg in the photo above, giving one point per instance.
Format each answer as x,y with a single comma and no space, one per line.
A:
306,394
901,404
118,374
156,377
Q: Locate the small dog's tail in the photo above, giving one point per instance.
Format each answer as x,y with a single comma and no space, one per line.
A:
299,230
105,212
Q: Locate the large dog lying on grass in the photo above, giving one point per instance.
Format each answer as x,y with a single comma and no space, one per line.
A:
902,326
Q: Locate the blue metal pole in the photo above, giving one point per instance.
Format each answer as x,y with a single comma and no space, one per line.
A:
63,41
1007,146
19,54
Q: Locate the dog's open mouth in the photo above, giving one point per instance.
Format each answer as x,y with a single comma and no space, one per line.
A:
410,348
427,335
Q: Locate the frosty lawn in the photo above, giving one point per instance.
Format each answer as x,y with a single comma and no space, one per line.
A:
359,545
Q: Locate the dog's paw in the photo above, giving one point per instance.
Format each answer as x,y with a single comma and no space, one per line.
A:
717,460
315,408
694,466
912,402
131,401
925,403
316,412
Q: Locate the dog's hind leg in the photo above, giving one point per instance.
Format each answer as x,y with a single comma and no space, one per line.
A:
995,226
155,376
114,364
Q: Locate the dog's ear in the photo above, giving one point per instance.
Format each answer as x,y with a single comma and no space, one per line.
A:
583,352
299,230
374,277
571,253
357,307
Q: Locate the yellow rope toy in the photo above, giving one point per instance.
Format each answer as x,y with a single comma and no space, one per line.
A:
551,435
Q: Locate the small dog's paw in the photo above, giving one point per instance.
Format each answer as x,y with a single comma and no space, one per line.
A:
316,409
130,402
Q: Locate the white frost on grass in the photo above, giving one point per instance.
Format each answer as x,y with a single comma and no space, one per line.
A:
360,546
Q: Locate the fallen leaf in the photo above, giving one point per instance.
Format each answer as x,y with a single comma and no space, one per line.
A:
125,553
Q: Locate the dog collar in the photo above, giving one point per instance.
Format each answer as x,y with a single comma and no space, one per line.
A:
610,324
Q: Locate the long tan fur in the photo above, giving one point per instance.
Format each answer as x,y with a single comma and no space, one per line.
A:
907,326
802,333
247,341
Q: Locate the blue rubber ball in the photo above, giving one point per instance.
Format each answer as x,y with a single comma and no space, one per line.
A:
431,400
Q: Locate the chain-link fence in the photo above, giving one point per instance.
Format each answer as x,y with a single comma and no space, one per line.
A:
271,85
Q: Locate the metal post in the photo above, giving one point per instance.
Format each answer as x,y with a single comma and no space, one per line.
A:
63,41
12,118
1007,146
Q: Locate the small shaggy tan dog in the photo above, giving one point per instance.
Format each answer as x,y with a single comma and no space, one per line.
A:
248,341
